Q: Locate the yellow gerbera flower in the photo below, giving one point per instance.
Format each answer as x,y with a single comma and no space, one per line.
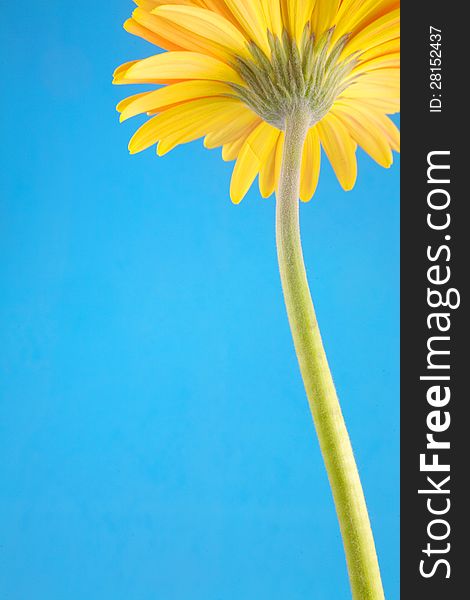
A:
235,69
272,82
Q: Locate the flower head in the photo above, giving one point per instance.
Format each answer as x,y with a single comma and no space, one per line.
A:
235,70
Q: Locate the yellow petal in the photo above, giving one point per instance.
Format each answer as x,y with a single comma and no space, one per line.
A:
135,28
191,119
223,119
323,15
217,6
355,15
340,149
389,128
172,94
384,105
243,124
124,103
148,4
386,61
180,37
310,169
366,133
387,76
120,71
267,174
250,15
181,65
208,25
378,32
231,150
390,47
296,14
272,14
252,156
377,83
366,112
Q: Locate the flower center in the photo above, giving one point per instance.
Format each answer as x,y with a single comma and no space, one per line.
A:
306,76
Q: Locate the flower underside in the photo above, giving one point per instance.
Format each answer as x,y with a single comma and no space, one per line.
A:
235,72
308,76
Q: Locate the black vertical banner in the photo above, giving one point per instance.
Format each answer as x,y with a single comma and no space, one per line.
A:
435,267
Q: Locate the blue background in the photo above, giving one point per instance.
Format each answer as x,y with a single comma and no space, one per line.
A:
155,439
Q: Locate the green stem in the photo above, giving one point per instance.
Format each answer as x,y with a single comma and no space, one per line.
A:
334,440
